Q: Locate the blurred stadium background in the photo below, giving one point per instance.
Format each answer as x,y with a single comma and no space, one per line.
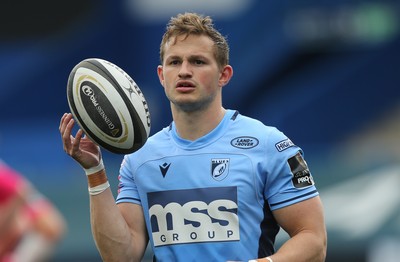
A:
327,73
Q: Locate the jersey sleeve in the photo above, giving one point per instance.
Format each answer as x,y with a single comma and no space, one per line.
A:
289,179
127,189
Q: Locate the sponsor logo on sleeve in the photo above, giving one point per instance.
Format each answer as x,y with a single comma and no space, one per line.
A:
194,215
284,144
301,174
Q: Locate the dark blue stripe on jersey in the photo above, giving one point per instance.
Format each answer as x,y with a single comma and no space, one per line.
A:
127,198
235,115
297,197
269,230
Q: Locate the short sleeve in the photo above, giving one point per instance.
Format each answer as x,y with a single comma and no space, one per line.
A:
127,189
289,179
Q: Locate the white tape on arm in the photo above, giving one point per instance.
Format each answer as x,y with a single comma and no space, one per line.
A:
98,189
95,169
97,179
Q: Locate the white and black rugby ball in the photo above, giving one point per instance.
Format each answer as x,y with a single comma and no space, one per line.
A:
108,105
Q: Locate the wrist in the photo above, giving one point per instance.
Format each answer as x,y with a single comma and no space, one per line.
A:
97,182
98,189
95,169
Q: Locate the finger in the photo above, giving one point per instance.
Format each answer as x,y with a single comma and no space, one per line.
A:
67,138
64,121
77,141
61,122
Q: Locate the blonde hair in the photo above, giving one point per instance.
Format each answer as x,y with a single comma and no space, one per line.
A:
194,24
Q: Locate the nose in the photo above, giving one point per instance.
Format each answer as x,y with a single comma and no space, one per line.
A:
185,70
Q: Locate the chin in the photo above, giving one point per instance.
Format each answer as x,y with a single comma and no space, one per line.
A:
190,106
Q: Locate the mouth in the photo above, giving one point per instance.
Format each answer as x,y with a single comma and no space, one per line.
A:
185,86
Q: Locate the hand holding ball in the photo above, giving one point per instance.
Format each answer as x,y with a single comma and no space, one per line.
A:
108,105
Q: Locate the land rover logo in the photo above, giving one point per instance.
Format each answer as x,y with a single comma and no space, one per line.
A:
244,142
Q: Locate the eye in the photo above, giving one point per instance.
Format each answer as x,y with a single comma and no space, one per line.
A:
174,62
199,62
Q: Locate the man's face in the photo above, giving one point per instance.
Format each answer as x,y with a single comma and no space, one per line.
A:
190,74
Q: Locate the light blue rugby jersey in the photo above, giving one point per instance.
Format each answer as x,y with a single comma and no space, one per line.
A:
211,199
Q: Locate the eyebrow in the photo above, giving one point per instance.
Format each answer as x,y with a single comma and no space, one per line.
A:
190,58
196,57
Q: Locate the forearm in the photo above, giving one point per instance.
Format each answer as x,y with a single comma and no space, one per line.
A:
305,246
109,228
110,231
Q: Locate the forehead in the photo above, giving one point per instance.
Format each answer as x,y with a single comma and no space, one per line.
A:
192,44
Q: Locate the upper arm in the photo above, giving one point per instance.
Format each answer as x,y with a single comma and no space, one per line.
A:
134,217
305,216
304,222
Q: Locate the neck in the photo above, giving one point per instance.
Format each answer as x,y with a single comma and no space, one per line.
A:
193,125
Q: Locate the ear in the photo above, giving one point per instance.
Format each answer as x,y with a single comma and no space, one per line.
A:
226,75
160,74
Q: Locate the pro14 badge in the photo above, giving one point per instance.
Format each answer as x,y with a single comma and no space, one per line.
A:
301,174
219,168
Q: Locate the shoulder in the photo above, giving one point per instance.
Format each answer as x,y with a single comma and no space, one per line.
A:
260,129
159,141
240,119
